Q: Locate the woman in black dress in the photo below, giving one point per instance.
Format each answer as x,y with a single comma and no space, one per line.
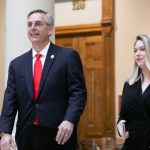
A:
134,119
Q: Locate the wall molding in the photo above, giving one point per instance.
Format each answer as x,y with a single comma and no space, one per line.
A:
107,12
78,29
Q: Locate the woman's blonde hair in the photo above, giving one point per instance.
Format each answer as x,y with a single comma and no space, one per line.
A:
137,72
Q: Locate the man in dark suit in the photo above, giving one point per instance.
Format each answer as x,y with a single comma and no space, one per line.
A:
61,95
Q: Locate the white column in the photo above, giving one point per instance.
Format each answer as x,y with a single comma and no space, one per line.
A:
17,41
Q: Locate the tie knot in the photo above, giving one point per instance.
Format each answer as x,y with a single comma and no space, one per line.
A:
38,56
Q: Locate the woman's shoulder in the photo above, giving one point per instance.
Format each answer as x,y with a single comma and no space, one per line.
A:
128,85
126,82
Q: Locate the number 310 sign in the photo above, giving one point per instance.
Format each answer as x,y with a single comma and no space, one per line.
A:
78,4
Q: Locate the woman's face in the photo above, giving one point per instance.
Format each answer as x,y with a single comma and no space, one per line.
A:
140,54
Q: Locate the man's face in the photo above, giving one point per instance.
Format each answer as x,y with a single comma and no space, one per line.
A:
38,30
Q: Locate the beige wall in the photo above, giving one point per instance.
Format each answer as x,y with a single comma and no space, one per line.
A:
64,15
2,48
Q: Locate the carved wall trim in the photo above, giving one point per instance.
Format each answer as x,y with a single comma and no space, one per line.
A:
78,29
110,104
107,12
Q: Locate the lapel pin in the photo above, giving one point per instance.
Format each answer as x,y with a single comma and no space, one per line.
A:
52,56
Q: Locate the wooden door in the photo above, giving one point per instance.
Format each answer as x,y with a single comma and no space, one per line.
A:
94,125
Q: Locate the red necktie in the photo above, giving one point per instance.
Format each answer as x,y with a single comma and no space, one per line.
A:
37,78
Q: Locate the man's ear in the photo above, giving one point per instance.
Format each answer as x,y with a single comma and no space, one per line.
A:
50,30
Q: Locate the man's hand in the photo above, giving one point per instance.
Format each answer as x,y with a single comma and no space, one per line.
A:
121,129
64,132
7,142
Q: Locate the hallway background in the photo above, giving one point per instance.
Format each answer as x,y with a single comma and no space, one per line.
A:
130,18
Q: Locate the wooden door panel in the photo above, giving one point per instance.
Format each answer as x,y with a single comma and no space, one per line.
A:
93,120
93,47
65,42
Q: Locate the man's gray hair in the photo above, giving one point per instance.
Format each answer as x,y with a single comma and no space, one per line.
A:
48,17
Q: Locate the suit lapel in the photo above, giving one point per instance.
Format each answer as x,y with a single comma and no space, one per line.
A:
28,73
47,65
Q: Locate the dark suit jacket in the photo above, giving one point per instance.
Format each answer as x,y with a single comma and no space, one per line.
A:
136,111
62,92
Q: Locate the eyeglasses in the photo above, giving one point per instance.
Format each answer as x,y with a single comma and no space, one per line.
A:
36,24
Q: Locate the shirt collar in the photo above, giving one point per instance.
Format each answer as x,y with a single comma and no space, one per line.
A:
43,51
